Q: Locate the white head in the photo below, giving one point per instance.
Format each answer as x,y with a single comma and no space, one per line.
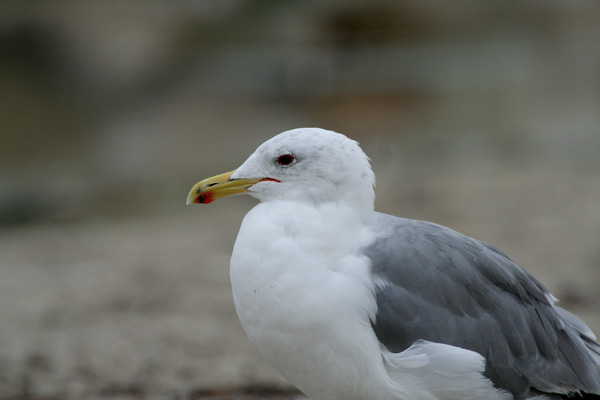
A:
304,165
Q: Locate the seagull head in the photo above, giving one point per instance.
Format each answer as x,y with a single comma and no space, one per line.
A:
305,165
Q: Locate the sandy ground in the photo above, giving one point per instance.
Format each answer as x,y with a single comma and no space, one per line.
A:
141,307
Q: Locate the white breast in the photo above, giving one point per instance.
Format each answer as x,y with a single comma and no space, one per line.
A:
306,305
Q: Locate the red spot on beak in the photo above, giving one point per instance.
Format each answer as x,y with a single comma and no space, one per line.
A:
204,198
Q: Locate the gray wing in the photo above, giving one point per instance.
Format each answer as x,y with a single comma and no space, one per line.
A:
434,284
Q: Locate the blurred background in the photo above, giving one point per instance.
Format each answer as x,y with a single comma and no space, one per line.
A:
480,115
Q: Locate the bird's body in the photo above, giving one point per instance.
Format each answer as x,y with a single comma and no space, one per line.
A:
309,308
350,304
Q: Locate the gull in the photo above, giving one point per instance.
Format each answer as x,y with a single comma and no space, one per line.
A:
351,304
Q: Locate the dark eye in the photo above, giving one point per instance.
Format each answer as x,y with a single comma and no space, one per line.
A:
285,159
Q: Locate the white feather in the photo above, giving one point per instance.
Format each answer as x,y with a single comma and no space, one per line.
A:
435,371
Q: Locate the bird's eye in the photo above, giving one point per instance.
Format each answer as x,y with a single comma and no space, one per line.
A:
285,159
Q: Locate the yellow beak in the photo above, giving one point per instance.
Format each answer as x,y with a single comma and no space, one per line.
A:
214,188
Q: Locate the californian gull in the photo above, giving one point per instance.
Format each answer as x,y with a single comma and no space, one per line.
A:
351,304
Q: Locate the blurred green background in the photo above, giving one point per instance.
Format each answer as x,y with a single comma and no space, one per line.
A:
480,115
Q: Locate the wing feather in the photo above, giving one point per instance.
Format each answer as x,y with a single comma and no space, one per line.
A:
438,285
